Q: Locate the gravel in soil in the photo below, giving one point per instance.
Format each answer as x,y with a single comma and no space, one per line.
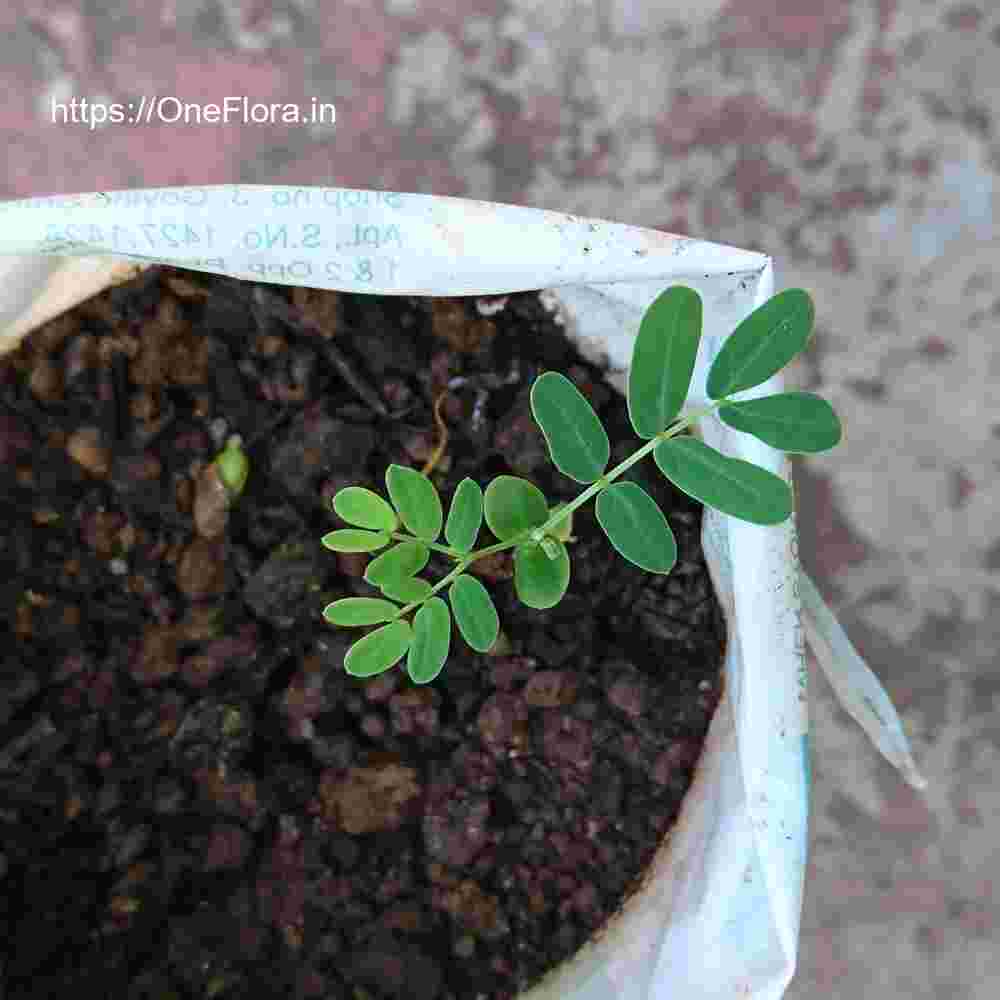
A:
195,799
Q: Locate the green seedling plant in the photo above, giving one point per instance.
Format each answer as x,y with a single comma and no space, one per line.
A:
413,617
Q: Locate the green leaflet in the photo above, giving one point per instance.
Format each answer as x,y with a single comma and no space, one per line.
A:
576,438
474,613
431,639
409,590
740,489
663,360
797,422
379,650
354,540
416,500
355,611
465,517
762,344
636,527
401,561
366,509
513,506
541,581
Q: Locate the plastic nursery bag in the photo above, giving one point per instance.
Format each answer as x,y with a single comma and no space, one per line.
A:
718,913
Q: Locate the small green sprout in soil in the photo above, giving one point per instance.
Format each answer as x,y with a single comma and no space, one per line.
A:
233,467
413,618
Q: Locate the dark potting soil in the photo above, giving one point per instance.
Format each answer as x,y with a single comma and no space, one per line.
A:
195,799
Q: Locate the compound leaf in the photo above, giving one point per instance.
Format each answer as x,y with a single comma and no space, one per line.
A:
379,650
465,517
663,359
636,527
738,488
797,422
417,501
540,580
401,561
513,506
408,589
366,509
576,438
762,344
355,540
354,611
474,613
431,639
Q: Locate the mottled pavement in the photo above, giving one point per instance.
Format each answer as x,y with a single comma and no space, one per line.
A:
854,140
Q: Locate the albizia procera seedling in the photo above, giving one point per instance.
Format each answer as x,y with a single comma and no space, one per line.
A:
414,615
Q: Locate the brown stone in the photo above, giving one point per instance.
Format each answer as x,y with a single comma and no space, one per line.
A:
494,567
144,405
211,503
503,722
268,345
85,448
103,532
463,333
320,306
46,382
474,910
369,799
550,689
201,571
158,655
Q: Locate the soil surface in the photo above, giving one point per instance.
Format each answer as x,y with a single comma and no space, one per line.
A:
195,799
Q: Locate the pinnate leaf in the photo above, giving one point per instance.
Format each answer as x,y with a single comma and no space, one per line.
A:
762,344
379,650
513,506
576,438
465,517
797,422
354,611
355,540
366,509
408,589
474,613
401,561
738,488
663,360
636,527
431,639
539,580
417,501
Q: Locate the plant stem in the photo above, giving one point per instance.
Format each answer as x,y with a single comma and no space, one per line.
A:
538,533
440,585
606,480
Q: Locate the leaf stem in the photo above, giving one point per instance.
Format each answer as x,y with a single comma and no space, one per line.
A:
440,585
538,533
608,478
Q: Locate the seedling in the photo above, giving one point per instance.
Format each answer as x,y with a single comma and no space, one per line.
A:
233,467
413,618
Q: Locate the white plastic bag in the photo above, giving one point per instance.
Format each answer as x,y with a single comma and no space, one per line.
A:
718,914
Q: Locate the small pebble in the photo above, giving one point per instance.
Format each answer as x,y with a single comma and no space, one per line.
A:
85,448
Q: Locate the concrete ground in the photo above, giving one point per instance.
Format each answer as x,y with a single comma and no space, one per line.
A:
853,140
